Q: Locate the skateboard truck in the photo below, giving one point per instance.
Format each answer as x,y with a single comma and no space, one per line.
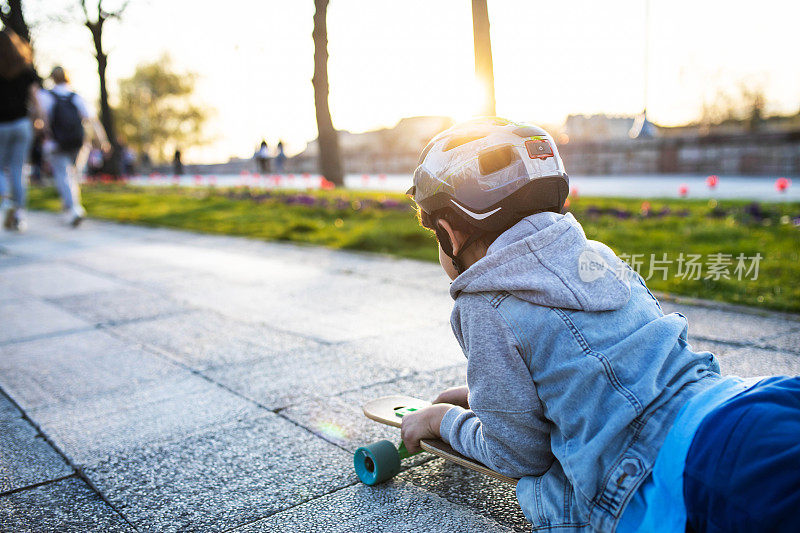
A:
380,461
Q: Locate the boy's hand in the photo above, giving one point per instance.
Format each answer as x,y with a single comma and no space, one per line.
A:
457,396
422,424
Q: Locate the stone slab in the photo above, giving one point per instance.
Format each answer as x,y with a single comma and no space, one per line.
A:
225,476
77,366
284,379
113,424
66,506
328,306
8,260
27,318
117,260
120,305
393,506
54,280
788,342
206,339
714,324
719,349
481,494
419,349
25,457
749,362
7,410
339,418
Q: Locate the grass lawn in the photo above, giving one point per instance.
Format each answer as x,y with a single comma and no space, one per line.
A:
378,222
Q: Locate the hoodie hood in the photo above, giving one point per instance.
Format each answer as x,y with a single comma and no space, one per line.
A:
546,259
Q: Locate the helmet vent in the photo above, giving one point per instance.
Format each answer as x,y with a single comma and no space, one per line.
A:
455,142
425,152
527,131
491,161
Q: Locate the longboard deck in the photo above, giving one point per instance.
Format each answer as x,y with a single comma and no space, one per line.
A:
389,410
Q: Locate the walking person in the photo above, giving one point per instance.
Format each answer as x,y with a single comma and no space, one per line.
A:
18,85
177,163
95,162
262,158
66,113
280,159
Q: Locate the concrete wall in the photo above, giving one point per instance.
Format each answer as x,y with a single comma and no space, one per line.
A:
745,154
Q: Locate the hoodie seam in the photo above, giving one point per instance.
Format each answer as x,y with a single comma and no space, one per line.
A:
506,411
615,382
527,353
556,231
482,271
556,274
525,357
479,269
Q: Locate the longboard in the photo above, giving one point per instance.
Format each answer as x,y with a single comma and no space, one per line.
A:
377,462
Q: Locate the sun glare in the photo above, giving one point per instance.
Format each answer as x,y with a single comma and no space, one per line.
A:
467,104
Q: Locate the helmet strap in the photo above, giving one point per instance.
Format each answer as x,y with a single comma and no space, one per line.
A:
447,247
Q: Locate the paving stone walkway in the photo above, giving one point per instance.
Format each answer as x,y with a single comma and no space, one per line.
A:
156,380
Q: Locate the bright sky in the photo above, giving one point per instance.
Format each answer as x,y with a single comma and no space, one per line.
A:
391,59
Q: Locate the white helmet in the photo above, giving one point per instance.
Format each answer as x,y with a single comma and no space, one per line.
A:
490,172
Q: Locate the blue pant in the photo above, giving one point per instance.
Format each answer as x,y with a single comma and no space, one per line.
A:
743,468
65,174
15,142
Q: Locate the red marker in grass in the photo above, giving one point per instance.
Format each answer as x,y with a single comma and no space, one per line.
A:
781,184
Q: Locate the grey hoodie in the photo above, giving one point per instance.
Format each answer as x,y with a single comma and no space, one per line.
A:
537,260
575,374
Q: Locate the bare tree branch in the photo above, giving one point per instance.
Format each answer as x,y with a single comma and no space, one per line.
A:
118,13
106,112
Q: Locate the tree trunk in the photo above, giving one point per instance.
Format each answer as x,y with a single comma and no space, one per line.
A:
113,164
330,163
14,19
484,70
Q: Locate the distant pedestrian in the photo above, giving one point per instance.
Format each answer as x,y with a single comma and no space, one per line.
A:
66,113
18,85
145,163
280,159
262,158
36,159
95,162
128,161
177,164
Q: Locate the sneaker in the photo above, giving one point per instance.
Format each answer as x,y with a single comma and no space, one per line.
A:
77,214
22,220
10,218
15,220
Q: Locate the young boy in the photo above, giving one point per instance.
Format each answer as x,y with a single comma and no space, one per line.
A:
577,383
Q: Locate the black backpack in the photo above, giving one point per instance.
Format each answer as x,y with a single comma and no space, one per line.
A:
66,123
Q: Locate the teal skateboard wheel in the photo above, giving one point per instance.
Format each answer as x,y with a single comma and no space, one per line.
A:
376,462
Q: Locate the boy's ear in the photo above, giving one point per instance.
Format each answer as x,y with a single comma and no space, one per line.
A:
455,236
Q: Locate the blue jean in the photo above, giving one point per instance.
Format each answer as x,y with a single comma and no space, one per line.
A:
66,178
15,143
743,468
